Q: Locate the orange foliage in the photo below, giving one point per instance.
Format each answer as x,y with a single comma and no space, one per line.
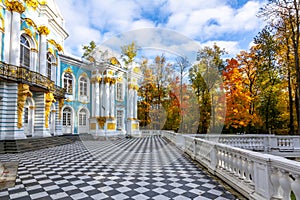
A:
237,97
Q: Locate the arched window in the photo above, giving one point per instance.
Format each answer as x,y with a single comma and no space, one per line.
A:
82,117
120,92
68,83
24,52
49,65
67,114
83,86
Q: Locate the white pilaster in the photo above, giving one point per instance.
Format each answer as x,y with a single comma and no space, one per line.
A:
15,39
101,99
43,54
106,100
7,36
112,100
97,99
93,99
135,104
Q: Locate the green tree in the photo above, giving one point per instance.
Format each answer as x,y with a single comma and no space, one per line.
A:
204,77
129,52
88,49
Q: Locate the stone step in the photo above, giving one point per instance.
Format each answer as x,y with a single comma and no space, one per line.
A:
32,144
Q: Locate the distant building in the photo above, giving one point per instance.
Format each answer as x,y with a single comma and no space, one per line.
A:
44,92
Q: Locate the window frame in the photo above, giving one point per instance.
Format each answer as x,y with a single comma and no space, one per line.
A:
82,117
120,119
120,92
25,62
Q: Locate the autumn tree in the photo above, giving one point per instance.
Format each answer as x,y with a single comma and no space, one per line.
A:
204,77
288,12
129,52
238,98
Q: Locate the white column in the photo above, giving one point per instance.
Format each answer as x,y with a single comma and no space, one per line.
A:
130,111
93,99
43,54
106,99
7,35
97,99
101,99
135,104
112,100
15,39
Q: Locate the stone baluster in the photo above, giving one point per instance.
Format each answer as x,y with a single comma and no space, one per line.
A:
296,186
285,183
250,170
275,183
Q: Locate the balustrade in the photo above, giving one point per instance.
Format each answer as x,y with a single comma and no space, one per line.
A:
22,74
255,175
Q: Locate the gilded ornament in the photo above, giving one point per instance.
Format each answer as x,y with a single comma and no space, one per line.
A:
28,32
101,121
14,6
43,2
68,70
51,51
49,99
58,46
31,23
34,50
61,103
32,3
23,93
84,74
111,126
114,61
43,30
2,29
137,70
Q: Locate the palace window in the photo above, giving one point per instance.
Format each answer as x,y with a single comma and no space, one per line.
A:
120,94
24,52
83,86
67,117
68,83
82,117
49,65
120,119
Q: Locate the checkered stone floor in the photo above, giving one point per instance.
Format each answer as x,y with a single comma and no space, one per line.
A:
139,168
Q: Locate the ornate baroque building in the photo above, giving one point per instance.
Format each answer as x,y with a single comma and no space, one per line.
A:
43,92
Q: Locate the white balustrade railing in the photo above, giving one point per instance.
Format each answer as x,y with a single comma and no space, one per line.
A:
266,143
253,174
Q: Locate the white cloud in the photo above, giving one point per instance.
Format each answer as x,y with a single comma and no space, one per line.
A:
203,20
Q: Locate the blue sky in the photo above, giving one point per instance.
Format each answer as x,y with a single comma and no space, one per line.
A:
231,24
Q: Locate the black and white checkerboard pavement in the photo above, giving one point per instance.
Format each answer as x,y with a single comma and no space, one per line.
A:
139,168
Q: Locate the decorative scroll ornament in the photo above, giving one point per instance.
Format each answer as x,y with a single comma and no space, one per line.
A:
58,46
61,103
101,121
114,61
23,93
28,32
43,2
48,102
29,22
32,3
68,70
133,86
110,80
43,30
14,6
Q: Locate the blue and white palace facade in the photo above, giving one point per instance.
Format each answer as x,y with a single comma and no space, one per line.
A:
45,92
